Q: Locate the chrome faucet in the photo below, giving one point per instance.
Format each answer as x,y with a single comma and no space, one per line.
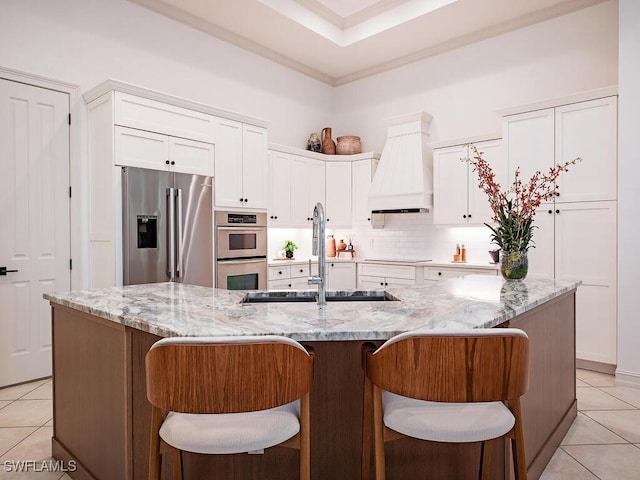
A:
319,250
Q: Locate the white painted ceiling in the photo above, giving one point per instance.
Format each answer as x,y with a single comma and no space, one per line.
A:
338,41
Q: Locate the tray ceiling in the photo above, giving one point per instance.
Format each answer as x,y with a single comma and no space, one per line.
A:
338,41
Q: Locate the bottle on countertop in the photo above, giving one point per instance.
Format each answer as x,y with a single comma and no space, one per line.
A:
463,253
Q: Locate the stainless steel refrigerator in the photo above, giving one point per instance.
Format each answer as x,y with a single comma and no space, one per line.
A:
167,227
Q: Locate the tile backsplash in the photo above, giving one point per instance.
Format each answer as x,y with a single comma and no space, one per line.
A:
407,235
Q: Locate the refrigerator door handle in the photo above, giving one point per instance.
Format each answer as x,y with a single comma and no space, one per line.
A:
179,233
171,234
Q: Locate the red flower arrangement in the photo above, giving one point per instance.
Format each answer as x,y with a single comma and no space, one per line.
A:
513,210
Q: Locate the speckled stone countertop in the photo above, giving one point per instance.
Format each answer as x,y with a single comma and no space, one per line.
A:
174,309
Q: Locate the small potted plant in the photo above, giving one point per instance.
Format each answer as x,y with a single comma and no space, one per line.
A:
288,247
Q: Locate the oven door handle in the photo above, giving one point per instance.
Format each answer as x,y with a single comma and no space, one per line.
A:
238,262
242,229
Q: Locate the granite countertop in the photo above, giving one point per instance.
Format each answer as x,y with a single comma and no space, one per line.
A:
174,309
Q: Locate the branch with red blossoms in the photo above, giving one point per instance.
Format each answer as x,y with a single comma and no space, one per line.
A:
521,199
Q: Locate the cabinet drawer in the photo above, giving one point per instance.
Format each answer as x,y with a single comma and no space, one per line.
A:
278,272
302,271
145,114
284,284
376,283
394,271
449,272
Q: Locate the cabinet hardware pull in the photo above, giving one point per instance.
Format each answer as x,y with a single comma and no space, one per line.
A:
557,211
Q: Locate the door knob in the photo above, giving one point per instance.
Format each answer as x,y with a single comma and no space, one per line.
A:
4,271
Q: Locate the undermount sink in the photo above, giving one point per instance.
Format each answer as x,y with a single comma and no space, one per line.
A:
312,296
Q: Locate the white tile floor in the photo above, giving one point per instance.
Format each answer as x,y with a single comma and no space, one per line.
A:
603,443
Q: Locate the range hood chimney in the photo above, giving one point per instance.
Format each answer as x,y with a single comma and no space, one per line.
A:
403,181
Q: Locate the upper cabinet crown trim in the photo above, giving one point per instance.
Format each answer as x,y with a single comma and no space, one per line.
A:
321,156
556,102
119,86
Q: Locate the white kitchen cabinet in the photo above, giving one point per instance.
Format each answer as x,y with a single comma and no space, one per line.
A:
529,142
155,116
138,148
338,194
362,175
290,277
279,209
587,130
377,275
457,198
341,275
535,141
439,272
240,165
576,237
585,249
307,189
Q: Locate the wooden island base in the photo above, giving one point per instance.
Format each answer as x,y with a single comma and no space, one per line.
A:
101,415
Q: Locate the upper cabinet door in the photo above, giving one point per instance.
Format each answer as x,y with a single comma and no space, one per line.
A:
254,167
189,156
529,142
588,130
154,116
228,164
361,177
450,177
279,209
137,148
338,194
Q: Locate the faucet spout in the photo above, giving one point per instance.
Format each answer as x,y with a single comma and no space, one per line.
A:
318,248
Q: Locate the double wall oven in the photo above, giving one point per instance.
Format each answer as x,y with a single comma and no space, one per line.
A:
241,250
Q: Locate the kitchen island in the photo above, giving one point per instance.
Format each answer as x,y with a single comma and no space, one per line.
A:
100,338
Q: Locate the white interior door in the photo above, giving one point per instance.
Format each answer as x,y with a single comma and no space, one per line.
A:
34,201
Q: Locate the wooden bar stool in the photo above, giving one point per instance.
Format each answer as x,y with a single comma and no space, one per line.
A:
461,386
224,395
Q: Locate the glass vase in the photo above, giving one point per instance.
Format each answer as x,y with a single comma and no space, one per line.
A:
514,265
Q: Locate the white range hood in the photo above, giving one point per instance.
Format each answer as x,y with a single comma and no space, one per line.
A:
403,181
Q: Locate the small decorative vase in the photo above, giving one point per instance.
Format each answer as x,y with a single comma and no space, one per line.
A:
328,145
314,144
289,254
514,265
341,246
331,246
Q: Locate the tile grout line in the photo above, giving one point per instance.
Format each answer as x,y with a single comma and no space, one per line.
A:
580,463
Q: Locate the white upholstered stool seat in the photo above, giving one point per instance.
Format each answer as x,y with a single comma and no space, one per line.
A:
446,422
231,432
448,386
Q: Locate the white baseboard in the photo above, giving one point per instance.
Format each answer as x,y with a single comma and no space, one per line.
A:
627,379
596,366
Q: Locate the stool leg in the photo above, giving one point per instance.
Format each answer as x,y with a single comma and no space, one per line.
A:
517,443
378,433
154,444
366,429
486,450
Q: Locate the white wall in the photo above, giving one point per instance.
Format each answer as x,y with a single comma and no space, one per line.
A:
628,371
87,41
464,88
84,42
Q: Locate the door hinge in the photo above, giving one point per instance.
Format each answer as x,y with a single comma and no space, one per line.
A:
69,191
69,119
70,264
